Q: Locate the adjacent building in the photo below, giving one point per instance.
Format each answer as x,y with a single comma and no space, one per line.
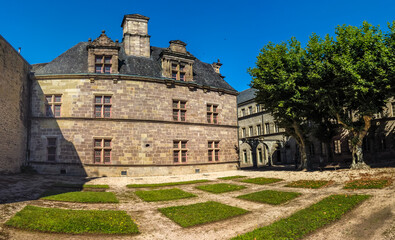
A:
109,108
262,142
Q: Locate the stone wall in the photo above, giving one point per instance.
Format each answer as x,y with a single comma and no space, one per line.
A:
14,108
141,127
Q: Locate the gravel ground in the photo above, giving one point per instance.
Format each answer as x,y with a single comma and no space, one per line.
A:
374,219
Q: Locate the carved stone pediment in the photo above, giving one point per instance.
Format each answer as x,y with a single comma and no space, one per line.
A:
103,41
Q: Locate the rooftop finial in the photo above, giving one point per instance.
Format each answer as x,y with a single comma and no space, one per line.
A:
103,31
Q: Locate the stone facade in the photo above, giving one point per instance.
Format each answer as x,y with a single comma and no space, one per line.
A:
123,122
14,108
261,142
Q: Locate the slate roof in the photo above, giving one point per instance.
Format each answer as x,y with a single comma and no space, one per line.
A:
75,60
246,95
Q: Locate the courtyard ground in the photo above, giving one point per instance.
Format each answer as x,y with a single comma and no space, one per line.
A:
373,219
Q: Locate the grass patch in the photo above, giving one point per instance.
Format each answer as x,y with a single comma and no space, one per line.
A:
96,186
232,177
163,195
220,187
308,184
307,220
368,183
153,185
270,197
261,180
73,221
200,213
84,197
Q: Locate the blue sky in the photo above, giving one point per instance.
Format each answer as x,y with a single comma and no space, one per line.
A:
233,31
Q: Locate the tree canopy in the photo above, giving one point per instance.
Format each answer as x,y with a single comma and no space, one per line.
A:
348,78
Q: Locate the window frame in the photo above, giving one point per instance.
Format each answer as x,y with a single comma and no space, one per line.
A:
102,105
102,148
179,110
337,146
267,128
180,149
178,69
50,146
52,105
212,113
103,63
213,151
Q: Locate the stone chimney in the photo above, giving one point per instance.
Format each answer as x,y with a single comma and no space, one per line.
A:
136,40
216,65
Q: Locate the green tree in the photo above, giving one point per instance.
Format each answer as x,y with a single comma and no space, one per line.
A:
353,77
283,89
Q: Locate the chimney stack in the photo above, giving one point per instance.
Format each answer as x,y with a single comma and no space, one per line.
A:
136,40
217,65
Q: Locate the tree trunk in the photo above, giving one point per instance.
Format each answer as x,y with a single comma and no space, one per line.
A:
357,153
302,146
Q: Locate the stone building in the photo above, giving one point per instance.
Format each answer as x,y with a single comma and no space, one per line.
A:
14,108
109,108
261,141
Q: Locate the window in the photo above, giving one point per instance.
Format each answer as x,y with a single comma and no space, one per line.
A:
245,156
260,155
337,146
243,112
103,64
180,151
53,105
393,108
267,128
179,110
178,71
102,151
250,131
243,132
51,149
213,151
103,106
212,113
258,130
250,110
276,128
258,108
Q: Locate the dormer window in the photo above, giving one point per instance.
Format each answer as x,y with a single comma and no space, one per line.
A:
178,72
103,64
103,55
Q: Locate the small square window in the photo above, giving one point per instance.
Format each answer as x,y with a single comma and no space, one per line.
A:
107,60
98,69
58,99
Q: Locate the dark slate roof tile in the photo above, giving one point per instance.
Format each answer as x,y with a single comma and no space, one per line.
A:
75,60
246,95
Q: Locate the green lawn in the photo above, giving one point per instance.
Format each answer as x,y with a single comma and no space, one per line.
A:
163,195
232,177
270,197
220,187
307,220
308,184
73,221
153,185
200,213
83,197
368,183
261,180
